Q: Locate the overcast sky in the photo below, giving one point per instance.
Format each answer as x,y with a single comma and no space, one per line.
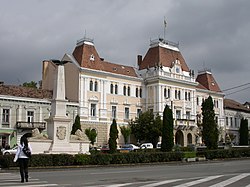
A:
212,34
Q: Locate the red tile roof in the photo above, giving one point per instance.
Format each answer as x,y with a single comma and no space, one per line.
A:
231,104
20,91
157,56
83,53
207,81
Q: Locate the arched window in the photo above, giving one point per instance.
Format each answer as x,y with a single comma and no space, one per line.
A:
140,93
116,89
91,85
124,90
128,91
96,86
165,92
176,94
179,94
189,96
168,93
111,88
136,92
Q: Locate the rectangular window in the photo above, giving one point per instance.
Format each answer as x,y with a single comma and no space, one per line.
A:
188,115
235,122
138,112
30,116
226,121
126,113
114,112
93,110
6,116
216,119
178,114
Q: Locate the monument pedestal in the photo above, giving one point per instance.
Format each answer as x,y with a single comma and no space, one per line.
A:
59,131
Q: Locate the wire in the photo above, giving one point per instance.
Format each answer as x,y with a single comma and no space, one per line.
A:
235,87
238,91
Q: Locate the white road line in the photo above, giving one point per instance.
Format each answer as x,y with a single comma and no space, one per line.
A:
37,185
161,183
231,180
119,185
116,172
199,181
19,182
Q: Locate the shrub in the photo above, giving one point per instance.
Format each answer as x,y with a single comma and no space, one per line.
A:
189,154
81,159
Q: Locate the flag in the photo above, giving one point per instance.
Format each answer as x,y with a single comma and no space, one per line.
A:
165,23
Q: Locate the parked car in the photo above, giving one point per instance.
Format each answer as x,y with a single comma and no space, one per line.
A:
129,147
11,151
147,146
158,146
105,149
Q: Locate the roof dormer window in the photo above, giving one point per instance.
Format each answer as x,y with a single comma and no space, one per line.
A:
92,57
177,69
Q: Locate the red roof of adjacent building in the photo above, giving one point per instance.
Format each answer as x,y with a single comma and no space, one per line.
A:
231,104
207,81
20,91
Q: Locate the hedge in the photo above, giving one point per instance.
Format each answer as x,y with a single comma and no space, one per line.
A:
46,160
51,160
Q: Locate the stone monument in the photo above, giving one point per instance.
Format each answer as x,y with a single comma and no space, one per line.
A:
58,124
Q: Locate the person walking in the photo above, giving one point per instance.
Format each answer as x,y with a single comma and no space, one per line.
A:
22,158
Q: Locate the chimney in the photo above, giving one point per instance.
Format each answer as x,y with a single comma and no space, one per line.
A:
139,60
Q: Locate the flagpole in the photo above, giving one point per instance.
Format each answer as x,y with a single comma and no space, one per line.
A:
165,24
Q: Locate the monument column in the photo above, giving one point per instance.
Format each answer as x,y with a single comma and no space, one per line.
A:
58,123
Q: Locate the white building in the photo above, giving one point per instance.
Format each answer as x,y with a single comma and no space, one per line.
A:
106,90
234,112
23,109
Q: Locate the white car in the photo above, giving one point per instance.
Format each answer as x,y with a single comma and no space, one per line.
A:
11,151
147,146
129,147
158,146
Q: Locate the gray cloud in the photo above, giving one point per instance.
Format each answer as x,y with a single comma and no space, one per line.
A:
212,34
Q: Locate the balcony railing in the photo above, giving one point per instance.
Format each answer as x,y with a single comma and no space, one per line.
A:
30,125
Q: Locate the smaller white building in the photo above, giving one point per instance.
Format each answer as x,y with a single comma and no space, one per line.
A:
23,109
234,112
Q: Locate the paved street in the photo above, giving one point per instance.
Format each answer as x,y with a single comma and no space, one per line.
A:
214,174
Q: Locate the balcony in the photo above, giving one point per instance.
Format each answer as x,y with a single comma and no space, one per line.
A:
184,124
30,125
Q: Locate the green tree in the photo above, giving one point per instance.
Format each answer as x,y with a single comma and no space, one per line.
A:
154,131
76,125
31,84
167,130
243,131
113,135
146,127
210,131
91,134
126,131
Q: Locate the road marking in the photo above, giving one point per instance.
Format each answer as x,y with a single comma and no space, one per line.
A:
18,181
231,180
8,179
119,185
37,185
111,172
199,181
161,183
